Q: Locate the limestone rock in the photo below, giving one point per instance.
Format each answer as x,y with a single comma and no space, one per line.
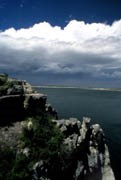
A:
40,171
89,146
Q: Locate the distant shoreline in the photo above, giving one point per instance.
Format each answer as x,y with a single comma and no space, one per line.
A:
72,87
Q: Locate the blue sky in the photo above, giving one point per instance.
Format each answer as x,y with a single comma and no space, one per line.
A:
72,42
25,13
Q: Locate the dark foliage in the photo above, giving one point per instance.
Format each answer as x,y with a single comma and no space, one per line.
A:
43,139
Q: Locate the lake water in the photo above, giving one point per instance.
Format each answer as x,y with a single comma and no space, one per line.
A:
104,107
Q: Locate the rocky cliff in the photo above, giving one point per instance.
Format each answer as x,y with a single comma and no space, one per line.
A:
42,147
19,100
87,144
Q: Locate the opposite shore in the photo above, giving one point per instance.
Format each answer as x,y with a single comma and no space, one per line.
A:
75,87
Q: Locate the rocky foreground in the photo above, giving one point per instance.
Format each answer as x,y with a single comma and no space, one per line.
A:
42,147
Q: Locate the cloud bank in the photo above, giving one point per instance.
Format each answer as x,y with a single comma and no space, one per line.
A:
79,50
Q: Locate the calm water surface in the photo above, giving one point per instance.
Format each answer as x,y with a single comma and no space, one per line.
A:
103,107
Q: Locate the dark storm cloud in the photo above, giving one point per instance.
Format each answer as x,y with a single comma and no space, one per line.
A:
79,50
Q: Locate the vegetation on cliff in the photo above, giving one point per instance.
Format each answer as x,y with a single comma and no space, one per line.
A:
40,140
35,145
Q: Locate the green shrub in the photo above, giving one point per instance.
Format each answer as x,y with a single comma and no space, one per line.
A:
44,140
20,170
7,158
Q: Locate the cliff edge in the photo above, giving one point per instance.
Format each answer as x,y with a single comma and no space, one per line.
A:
40,146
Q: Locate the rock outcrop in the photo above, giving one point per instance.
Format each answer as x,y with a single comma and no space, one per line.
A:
88,146
84,153
19,100
10,86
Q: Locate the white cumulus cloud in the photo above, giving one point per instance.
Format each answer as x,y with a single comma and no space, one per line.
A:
79,48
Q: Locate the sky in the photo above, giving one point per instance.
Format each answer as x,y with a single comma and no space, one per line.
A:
64,42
